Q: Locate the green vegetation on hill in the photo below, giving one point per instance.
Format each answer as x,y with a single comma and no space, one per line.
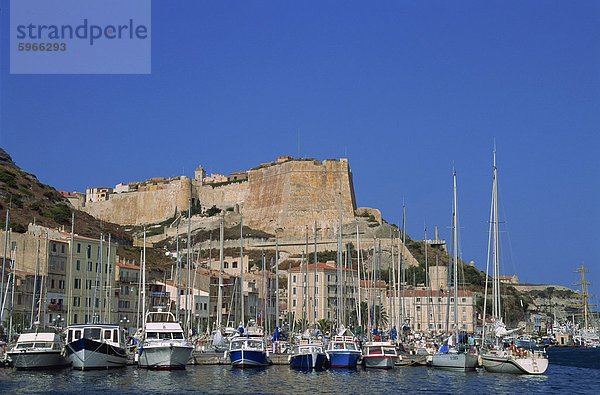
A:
31,201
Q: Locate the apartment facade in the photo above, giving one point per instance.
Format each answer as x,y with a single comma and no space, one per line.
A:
317,292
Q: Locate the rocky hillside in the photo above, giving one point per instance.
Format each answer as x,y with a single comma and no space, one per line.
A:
31,201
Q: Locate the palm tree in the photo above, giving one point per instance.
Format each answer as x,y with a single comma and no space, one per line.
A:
324,325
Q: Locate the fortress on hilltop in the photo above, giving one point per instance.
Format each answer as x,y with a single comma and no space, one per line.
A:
282,196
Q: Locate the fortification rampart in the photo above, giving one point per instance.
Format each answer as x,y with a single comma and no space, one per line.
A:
288,196
284,196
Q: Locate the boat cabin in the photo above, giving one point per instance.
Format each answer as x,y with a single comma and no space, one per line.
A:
39,341
110,334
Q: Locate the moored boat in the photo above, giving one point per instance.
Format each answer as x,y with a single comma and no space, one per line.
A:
41,349
95,346
515,360
382,355
163,343
248,351
308,355
343,350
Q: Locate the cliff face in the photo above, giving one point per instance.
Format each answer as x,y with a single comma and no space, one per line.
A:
287,196
293,194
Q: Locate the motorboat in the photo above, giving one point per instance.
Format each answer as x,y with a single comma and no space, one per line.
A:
39,349
308,355
382,355
248,351
163,344
343,350
96,346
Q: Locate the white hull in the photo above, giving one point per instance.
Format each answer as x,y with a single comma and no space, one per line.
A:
379,362
38,359
454,361
87,359
514,365
165,356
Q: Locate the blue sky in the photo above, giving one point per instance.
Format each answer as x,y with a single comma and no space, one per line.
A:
405,90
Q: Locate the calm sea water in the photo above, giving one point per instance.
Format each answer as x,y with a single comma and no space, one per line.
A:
570,371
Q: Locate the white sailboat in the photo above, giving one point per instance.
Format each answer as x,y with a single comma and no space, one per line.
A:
452,355
501,358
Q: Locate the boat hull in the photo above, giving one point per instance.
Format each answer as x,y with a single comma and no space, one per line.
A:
506,364
308,360
343,359
86,354
165,357
248,358
38,359
454,361
379,362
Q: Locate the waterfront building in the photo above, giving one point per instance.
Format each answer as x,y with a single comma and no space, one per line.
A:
99,194
301,292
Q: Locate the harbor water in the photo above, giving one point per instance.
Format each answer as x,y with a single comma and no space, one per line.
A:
570,371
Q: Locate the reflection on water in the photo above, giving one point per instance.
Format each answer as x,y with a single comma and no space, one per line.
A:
280,379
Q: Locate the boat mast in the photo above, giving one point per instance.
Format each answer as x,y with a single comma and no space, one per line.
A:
6,228
403,264
339,264
427,279
188,261
242,272
13,262
137,319
487,265
357,269
315,280
455,261
220,291
108,286
33,294
144,283
177,286
70,286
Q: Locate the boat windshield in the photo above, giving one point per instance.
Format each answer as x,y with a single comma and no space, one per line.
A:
389,351
22,346
237,344
374,350
92,333
43,345
177,335
254,344
351,346
151,335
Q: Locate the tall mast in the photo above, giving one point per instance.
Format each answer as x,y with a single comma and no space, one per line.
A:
188,261
358,270
178,274
491,238
427,279
315,279
306,276
403,263
137,317
340,285
13,262
101,302
276,280
242,311
108,286
144,283
33,298
6,228
220,291
70,286
455,261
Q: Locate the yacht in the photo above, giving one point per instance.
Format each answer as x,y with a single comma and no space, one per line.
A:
96,346
308,355
248,351
163,344
382,355
40,349
343,350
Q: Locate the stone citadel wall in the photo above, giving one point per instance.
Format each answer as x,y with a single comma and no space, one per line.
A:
284,196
